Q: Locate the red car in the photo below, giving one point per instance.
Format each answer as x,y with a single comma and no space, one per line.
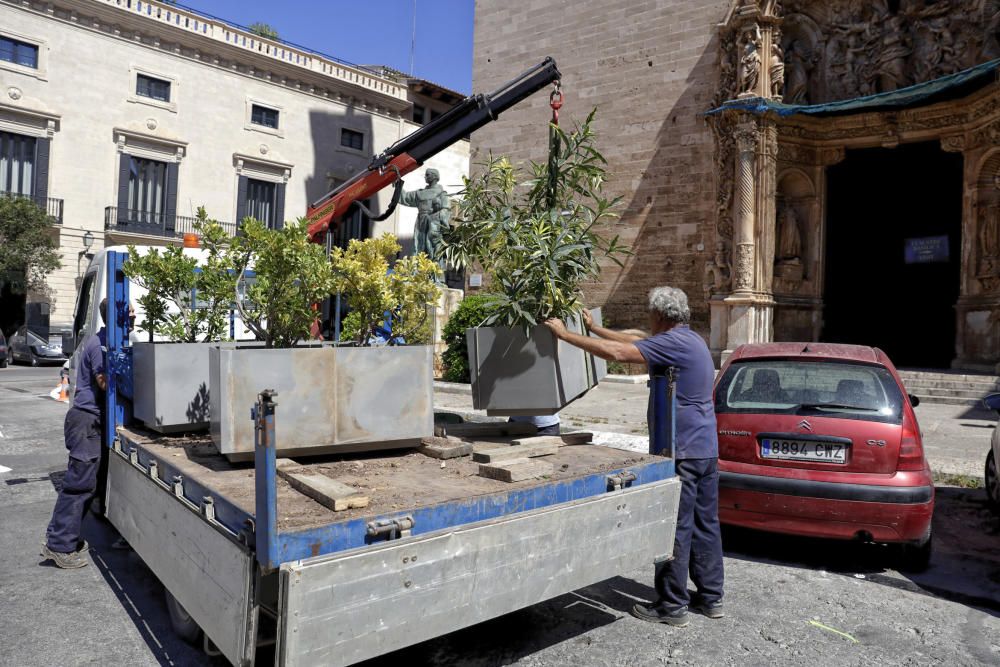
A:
821,440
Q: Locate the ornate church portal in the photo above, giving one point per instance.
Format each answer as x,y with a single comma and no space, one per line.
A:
859,178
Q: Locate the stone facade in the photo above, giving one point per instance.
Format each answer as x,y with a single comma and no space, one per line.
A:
733,206
82,97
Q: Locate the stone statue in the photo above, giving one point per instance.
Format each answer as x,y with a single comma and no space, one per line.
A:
789,236
717,271
433,215
777,71
750,62
893,51
797,66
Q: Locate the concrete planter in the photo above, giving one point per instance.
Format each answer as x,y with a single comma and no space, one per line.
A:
332,399
173,392
537,374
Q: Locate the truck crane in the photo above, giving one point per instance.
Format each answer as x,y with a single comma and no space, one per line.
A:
319,586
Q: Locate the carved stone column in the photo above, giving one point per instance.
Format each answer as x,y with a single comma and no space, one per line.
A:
749,309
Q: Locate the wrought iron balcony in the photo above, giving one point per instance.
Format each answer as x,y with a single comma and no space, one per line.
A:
54,207
153,224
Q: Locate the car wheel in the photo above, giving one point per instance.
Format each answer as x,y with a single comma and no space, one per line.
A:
34,360
992,476
916,557
180,620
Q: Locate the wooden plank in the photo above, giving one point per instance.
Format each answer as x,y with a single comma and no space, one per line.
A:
515,470
473,429
580,438
444,448
327,492
515,452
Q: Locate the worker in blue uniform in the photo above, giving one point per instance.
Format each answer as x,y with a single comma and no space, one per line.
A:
82,429
698,540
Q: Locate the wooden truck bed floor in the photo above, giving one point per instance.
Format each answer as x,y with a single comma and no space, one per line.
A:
393,481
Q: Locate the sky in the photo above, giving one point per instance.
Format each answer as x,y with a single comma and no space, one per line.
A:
369,32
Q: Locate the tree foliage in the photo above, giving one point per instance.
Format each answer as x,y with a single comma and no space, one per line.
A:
27,246
183,303
263,30
362,274
292,274
537,237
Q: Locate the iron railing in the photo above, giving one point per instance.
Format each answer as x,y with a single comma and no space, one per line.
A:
154,224
53,207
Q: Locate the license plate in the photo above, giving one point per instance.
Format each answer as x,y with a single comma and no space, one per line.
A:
803,450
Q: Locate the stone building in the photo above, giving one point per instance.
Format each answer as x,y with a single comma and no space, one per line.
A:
806,170
124,116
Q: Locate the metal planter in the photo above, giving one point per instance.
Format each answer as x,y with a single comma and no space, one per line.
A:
172,391
534,374
333,399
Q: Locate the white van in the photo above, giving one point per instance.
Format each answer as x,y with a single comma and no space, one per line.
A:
94,287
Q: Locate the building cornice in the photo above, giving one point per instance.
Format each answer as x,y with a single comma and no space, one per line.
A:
213,43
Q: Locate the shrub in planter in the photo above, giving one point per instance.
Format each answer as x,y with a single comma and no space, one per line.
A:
381,299
185,298
334,398
537,237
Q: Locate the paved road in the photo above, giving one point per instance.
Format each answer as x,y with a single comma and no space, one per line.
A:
788,599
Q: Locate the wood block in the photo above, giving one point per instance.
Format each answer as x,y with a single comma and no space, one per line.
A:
474,429
515,470
581,438
327,492
444,448
515,452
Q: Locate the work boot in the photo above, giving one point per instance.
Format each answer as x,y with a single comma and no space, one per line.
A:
709,609
66,561
658,614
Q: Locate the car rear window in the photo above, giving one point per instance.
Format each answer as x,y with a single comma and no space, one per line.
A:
832,389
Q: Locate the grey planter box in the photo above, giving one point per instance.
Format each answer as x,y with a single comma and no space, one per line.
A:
330,399
171,392
514,374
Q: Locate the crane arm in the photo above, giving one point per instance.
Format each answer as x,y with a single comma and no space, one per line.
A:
413,150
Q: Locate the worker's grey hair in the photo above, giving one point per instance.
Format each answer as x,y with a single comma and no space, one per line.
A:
670,303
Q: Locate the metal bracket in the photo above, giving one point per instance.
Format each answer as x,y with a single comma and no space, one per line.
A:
620,480
390,529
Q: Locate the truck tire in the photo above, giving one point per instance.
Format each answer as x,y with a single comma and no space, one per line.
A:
181,621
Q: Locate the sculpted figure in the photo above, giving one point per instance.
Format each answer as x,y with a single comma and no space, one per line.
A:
797,66
890,62
777,71
750,65
433,214
789,236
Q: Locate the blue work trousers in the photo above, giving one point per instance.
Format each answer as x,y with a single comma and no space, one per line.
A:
698,541
83,440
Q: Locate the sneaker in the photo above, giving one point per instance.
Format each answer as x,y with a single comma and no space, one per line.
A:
66,561
82,546
657,614
709,609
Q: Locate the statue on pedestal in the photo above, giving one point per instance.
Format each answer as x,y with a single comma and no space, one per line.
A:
789,247
433,216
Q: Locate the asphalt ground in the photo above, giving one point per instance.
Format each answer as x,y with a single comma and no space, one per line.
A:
789,601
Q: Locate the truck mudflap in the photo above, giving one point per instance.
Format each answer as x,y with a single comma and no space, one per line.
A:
343,608
209,573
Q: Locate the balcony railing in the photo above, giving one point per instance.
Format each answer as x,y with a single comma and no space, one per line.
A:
54,207
153,224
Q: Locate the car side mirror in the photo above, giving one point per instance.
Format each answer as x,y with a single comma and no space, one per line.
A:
992,402
914,400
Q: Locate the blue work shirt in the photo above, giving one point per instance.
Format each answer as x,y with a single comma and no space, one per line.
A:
89,396
685,350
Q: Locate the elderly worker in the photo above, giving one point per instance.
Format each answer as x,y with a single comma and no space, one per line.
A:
698,541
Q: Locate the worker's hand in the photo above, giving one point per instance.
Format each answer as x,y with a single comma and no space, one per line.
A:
557,326
588,319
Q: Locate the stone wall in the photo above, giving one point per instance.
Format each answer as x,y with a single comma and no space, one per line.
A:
651,69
